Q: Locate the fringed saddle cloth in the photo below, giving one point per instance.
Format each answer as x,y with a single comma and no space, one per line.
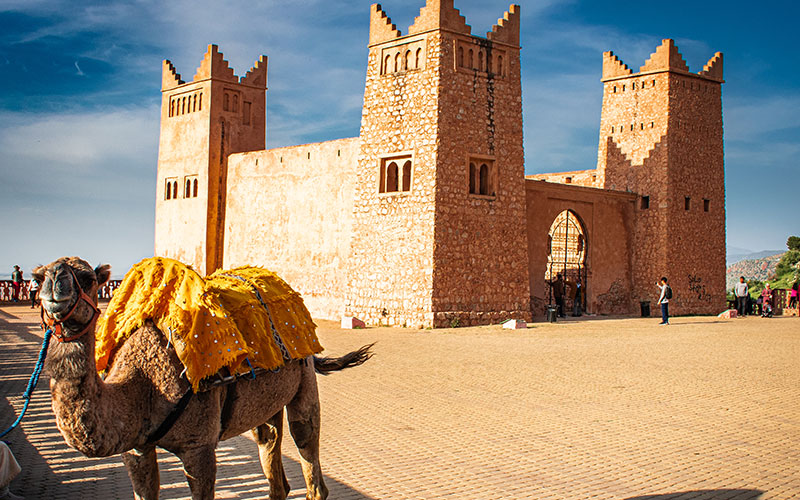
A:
239,319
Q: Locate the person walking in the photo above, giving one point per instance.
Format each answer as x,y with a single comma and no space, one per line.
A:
663,299
16,283
742,293
33,291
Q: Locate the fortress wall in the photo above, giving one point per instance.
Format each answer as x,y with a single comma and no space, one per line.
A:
607,217
291,210
587,178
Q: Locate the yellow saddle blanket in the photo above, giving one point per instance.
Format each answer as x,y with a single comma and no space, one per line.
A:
228,319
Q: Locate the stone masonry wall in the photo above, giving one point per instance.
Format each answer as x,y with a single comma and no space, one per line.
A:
696,230
586,178
390,277
481,251
291,210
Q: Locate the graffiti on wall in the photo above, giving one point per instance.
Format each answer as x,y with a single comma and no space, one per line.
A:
696,286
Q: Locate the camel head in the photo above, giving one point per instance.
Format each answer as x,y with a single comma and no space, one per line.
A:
63,283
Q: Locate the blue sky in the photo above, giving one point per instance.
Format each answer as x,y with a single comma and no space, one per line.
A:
80,96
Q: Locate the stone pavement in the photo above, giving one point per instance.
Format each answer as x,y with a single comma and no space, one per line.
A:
616,409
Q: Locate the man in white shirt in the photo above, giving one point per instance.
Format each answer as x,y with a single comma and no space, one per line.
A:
742,294
663,299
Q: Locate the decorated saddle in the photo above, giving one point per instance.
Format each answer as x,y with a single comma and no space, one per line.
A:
239,319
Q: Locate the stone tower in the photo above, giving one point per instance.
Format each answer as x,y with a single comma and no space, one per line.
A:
439,215
661,137
202,122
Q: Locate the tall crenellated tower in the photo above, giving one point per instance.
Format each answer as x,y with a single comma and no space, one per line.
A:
439,217
661,137
202,122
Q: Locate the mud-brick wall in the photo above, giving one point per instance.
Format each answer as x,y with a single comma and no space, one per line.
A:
607,220
290,210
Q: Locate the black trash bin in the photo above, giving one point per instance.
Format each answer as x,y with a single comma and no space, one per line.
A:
645,305
552,314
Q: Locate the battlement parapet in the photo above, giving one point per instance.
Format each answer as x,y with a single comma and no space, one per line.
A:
507,28
666,58
439,14
381,28
169,76
257,76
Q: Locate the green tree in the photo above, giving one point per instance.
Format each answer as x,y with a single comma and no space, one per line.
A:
793,243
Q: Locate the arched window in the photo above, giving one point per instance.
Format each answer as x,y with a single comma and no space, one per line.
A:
194,103
225,102
472,178
175,190
407,176
235,103
169,191
484,179
461,57
391,177
418,59
481,61
187,193
382,180
386,63
183,105
200,105
397,62
194,188
406,60
171,107
471,60
499,70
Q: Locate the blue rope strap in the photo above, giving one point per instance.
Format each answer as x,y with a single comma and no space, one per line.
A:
33,380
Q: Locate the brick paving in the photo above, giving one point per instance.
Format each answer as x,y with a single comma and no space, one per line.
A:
616,409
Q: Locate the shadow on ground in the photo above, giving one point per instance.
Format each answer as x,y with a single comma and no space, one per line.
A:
50,469
705,495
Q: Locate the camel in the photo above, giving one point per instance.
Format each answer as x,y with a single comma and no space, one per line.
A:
123,413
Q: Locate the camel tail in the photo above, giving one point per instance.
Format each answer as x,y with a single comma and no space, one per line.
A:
325,365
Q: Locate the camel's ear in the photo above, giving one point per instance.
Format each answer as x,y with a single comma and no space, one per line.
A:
38,274
103,273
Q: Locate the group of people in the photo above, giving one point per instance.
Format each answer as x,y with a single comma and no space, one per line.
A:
560,290
764,302
17,282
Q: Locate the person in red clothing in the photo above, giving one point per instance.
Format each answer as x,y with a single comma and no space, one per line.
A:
16,283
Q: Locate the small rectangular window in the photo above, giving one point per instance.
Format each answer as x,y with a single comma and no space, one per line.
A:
482,176
395,174
706,205
568,180
645,202
687,202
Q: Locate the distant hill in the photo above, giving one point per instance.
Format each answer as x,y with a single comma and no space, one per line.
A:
757,268
739,254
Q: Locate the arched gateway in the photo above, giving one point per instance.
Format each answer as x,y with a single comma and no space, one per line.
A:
566,253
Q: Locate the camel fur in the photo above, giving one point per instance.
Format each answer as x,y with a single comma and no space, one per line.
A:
101,418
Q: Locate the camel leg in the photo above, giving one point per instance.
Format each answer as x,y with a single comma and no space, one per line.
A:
200,468
303,412
143,471
268,437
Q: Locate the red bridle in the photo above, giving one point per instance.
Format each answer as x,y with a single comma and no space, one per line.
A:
56,325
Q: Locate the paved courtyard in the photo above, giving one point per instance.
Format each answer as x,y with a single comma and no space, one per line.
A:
617,409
